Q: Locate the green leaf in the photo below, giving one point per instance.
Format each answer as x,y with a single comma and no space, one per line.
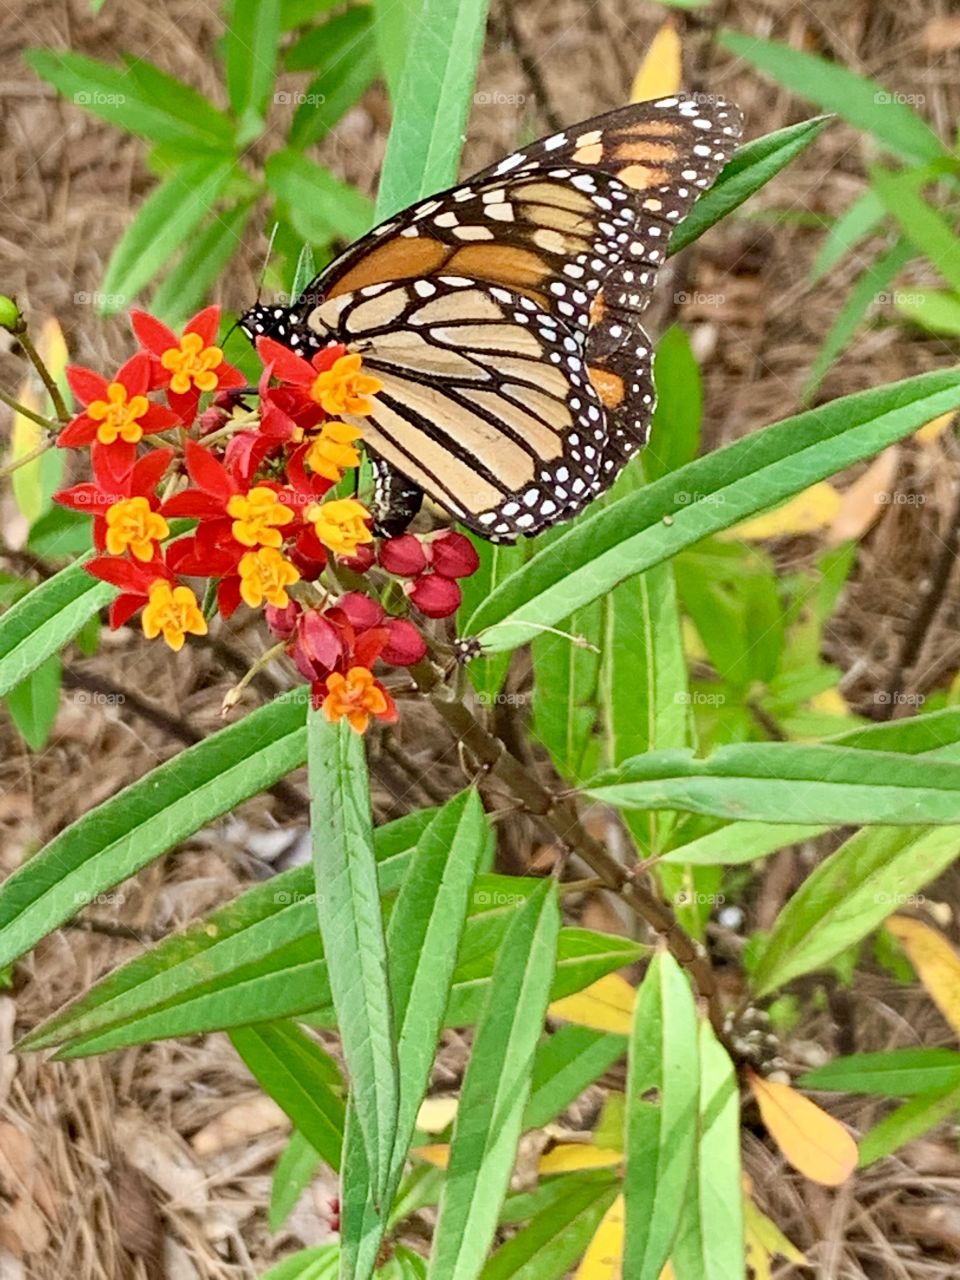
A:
432,102
498,560
675,428
495,1089
320,205
423,938
710,1238
139,99
931,309
738,842
60,532
895,1073
164,222
550,1244
298,1165
849,895
926,228
320,1263
266,937
393,23
861,102
912,1120
45,619
148,818
869,288
754,473
565,671
351,925
752,167
567,1063
294,1071
250,54
344,56
662,1108
789,782
34,703
184,289
853,225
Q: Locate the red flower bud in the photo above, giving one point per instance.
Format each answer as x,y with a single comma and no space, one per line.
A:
405,645
435,595
360,610
282,622
317,647
363,558
403,556
453,555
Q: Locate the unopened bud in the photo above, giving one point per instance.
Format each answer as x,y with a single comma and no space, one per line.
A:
10,316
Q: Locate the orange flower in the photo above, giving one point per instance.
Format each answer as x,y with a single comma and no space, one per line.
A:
174,611
258,517
192,363
358,696
343,388
131,523
332,451
265,575
340,525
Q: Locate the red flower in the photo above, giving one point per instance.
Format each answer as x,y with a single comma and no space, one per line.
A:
125,511
435,596
187,366
452,554
116,415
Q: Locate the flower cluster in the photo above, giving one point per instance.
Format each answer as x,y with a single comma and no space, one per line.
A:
251,477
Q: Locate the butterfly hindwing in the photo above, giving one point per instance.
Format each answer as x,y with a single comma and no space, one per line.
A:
485,400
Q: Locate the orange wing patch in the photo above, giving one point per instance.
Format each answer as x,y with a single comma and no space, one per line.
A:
609,387
400,258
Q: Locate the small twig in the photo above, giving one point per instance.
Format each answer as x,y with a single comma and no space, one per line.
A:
233,696
46,377
22,409
560,815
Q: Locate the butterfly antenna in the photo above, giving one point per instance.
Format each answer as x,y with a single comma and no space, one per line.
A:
266,260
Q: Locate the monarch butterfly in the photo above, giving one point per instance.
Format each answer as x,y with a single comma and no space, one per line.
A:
503,318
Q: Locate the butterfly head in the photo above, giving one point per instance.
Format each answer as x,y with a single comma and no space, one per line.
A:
283,324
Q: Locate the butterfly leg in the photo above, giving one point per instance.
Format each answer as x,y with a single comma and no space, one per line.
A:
396,500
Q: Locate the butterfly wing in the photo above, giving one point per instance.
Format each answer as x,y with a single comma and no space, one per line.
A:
576,225
485,402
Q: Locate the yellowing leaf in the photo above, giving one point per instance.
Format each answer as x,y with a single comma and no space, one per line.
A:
862,505
661,71
808,511
436,1154
26,436
436,1113
815,1144
52,346
764,1239
606,1005
566,1157
934,429
604,1255
936,963
831,702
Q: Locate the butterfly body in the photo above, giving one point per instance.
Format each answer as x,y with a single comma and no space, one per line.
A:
503,317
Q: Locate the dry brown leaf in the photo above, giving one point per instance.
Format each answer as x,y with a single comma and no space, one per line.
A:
817,1145
936,962
25,1195
239,1124
942,34
862,505
165,1161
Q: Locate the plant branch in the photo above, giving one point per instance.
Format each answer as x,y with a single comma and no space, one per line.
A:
559,813
46,377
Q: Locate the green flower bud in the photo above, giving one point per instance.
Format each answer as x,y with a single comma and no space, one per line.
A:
10,317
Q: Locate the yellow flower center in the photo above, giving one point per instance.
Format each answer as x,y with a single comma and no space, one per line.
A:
265,575
131,523
192,362
118,416
172,612
340,525
332,451
355,696
258,517
344,389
